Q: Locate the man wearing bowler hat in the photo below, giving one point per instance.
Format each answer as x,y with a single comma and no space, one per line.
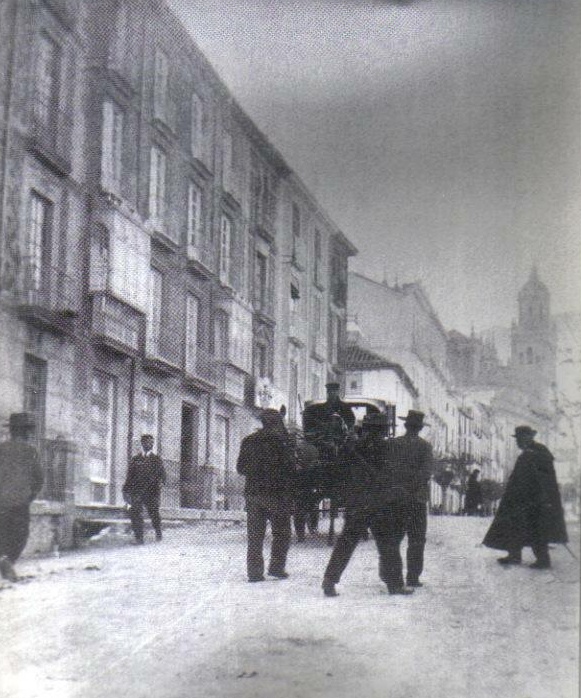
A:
414,456
21,479
267,461
530,511
142,488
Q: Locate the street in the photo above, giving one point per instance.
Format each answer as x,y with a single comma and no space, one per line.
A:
177,619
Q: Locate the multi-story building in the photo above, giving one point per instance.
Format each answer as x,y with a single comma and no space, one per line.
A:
163,269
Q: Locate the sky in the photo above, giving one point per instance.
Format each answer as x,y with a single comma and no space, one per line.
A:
443,137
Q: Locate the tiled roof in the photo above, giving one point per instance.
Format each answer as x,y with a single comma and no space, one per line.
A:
360,359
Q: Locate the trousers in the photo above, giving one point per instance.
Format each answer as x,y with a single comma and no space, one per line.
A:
416,528
150,503
14,530
259,511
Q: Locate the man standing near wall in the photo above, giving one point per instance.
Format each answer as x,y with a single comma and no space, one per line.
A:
414,455
21,479
142,488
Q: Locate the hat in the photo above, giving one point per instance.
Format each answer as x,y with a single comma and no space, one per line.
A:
333,386
523,430
376,419
21,420
415,418
146,436
270,416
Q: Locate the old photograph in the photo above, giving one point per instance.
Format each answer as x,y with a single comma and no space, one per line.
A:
290,348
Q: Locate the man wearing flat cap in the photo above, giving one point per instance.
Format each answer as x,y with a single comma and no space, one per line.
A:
21,480
267,461
530,512
414,457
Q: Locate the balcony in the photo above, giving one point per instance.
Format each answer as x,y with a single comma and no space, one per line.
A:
299,254
116,325
231,383
163,348
47,297
200,261
297,329
50,136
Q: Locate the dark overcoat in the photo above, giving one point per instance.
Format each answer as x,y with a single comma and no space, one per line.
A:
267,461
530,511
145,476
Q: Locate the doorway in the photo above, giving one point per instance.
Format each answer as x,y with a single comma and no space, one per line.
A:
189,456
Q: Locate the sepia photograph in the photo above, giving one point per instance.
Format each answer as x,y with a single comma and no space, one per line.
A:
290,348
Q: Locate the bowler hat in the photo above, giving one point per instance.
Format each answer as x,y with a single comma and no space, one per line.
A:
21,420
415,418
376,420
523,430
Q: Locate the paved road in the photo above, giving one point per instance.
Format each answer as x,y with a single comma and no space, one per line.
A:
178,620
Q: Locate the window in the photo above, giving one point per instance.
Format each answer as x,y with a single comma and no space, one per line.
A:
293,391
220,335
261,368
317,321
227,161
197,124
317,269
529,355
35,391
296,221
194,222
160,86
220,439
101,436
192,305
112,148
99,268
150,416
47,81
129,261
154,312
157,174
39,240
316,386
225,248
260,280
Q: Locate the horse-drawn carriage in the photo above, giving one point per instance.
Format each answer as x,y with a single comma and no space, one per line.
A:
322,451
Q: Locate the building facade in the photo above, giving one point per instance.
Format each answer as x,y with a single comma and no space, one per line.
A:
163,269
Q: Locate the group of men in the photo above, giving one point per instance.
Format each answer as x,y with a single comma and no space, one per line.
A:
385,485
386,492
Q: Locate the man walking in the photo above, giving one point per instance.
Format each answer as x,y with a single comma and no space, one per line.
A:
530,511
142,488
371,502
21,479
414,455
266,459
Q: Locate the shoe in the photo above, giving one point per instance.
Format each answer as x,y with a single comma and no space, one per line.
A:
7,570
539,565
509,560
279,575
329,589
255,579
158,537
414,583
401,591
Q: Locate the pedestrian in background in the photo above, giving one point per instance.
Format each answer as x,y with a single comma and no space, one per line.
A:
414,454
21,480
267,461
142,488
473,501
371,502
530,512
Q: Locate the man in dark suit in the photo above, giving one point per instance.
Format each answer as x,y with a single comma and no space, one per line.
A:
267,461
142,488
414,456
21,479
318,419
